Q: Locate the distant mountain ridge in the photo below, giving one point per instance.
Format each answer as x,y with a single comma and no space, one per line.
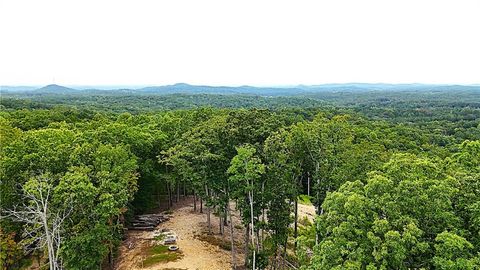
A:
183,88
56,89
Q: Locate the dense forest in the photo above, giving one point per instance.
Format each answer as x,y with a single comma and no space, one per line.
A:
394,175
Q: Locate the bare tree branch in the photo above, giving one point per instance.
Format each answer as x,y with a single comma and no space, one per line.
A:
43,225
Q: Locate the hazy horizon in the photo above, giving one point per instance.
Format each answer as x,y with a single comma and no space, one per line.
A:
133,87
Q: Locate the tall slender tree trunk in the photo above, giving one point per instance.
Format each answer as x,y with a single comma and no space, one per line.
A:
225,220
178,192
110,255
257,233
317,237
159,200
194,201
220,223
51,257
317,167
184,190
220,219
253,227
201,205
260,243
169,189
208,212
208,221
295,209
232,241
308,184
263,222
170,199
295,227
247,240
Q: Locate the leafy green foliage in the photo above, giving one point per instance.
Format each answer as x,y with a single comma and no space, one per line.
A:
305,199
393,220
454,252
394,177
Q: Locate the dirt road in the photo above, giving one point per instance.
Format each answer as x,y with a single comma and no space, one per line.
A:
197,254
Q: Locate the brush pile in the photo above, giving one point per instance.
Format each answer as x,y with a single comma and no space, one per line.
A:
147,222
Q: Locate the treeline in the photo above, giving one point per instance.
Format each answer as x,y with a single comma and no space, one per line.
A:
387,195
448,110
419,100
141,103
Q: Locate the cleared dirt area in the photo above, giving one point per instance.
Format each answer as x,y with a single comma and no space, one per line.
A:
306,211
198,252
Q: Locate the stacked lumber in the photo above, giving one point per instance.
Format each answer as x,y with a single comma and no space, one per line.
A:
147,222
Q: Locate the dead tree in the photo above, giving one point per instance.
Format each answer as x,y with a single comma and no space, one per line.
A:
43,225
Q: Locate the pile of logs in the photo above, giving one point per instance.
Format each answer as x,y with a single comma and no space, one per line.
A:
147,222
